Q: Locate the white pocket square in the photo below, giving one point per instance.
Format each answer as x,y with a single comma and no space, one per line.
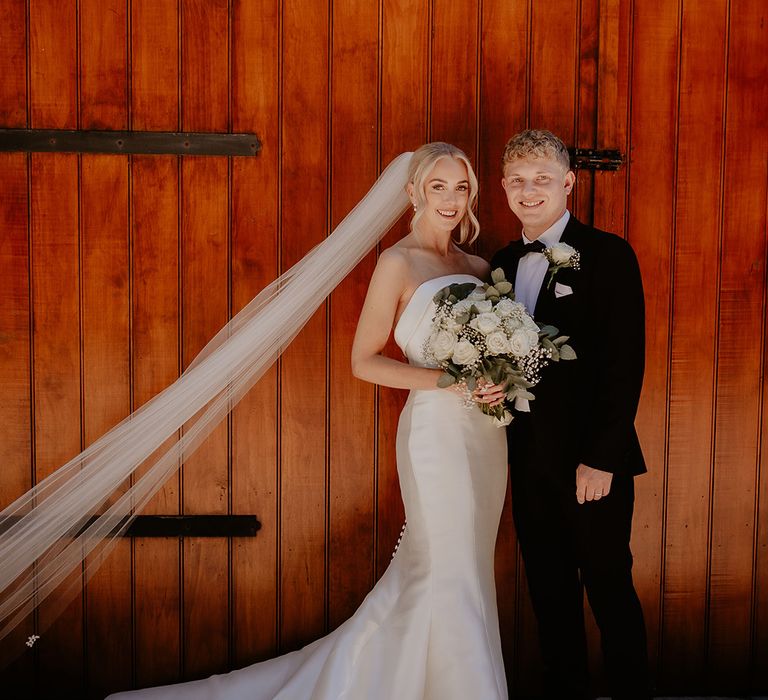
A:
562,290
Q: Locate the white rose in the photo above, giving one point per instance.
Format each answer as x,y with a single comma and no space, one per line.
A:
506,419
512,323
461,307
464,353
529,324
497,343
561,253
505,307
477,295
533,337
484,307
487,323
520,343
443,343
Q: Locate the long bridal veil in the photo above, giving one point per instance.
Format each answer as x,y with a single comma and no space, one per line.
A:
55,536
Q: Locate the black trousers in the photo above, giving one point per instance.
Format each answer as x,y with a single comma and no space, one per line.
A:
569,548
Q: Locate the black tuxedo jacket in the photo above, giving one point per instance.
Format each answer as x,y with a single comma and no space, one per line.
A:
584,410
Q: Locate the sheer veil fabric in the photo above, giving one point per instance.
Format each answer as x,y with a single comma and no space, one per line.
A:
55,536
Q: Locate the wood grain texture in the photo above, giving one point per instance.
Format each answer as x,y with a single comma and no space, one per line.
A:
53,69
55,272
694,344
453,78
650,230
148,256
13,58
155,364
15,350
255,210
103,64
739,365
304,399
106,397
156,360
354,137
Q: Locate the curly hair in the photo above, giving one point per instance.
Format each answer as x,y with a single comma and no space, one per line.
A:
535,143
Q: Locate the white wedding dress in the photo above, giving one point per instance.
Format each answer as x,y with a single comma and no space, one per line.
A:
429,628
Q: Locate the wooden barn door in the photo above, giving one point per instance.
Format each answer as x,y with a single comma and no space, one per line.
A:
116,269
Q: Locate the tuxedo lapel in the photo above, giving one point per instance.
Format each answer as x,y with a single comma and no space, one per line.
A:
545,308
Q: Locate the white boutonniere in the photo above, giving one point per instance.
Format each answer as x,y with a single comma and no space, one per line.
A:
559,256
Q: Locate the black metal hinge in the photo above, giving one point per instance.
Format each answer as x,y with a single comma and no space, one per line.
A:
594,159
123,142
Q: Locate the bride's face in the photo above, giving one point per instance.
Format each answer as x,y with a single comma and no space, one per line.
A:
446,191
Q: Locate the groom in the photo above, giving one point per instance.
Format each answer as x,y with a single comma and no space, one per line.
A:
573,457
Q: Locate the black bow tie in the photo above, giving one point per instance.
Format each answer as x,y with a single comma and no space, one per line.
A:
533,247
520,247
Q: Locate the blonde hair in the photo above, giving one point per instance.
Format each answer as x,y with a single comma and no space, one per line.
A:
535,143
423,160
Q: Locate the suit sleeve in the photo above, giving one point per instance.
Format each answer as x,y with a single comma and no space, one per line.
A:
618,361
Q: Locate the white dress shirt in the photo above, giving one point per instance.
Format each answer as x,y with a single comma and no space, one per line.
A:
533,266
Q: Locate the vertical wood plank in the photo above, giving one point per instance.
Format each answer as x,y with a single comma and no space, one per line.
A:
15,429
553,67
354,129
739,365
453,78
56,376
205,476
303,221
13,58
55,285
53,64
586,114
155,322
103,64
255,211
154,65
15,407
155,335
205,299
650,229
612,112
106,398
106,381
694,337
403,125
504,60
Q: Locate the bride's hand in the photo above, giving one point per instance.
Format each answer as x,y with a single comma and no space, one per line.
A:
492,394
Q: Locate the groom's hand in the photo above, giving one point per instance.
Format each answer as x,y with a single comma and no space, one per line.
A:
592,484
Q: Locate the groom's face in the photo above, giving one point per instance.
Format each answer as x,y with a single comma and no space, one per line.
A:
537,192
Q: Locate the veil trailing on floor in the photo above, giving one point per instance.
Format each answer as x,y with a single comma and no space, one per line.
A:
55,536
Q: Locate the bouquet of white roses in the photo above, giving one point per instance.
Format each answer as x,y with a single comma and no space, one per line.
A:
479,332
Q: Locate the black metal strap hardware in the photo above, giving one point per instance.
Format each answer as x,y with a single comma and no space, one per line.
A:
593,159
123,142
194,526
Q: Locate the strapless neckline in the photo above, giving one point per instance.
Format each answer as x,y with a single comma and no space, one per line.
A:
413,311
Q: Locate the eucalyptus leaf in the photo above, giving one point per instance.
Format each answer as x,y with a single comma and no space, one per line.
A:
548,331
567,353
445,380
560,340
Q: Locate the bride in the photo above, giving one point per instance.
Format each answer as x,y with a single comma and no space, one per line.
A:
429,628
